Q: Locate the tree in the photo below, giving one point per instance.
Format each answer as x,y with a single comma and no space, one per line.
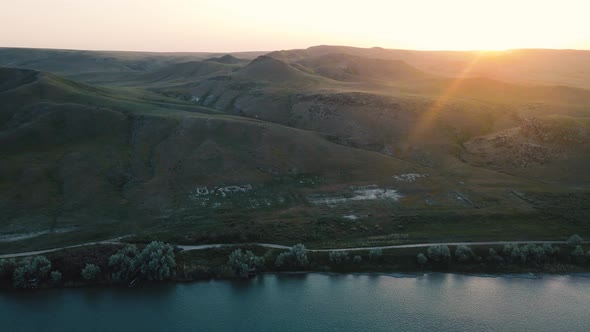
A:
493,257
156,261
517,256
295,257
422,260
124,263
578,254
55,277
7,266
357,259
375,254
244,262
575,240
300,256
439,253
463,253
535,254
31,271
90,272
338,257
550,249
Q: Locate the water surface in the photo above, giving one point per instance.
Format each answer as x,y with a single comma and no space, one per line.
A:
312,302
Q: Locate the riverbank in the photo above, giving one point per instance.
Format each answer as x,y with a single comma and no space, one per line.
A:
212,262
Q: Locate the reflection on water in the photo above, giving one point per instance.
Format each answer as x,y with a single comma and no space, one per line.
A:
322,302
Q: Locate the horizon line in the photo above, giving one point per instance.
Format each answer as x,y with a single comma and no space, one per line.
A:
277,50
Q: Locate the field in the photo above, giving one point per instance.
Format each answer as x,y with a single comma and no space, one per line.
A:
328,146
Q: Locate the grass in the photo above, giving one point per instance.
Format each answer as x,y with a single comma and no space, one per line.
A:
120,158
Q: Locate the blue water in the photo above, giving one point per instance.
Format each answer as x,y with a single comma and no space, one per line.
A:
311,302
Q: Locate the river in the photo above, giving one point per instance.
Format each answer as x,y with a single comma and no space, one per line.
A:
311,302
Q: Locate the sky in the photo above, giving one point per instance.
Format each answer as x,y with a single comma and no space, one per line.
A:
265,25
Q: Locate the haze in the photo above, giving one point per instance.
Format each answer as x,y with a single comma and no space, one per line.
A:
207,25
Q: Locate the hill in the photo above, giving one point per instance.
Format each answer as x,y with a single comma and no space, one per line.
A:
323,145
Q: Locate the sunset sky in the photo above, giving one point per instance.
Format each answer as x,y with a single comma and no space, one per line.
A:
213,25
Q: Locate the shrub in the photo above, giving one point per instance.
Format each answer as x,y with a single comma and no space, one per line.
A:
549,249
578,254
7,266
243,263
295,257
124,263
439,253
422,260
90,272
535,254
338,257
357,259
156,261
375,254
463,253
31,271
55,277
507,250
517,256
493,257
575,240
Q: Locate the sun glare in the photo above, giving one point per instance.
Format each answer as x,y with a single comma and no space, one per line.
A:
208,25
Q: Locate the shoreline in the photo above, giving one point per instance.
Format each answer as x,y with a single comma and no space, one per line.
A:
394,275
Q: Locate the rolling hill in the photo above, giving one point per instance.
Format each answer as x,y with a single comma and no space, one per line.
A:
288,146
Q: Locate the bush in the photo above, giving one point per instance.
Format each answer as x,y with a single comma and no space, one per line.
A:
463,254
124,263
439,253
517,256
422,260
535,254
156,261
338,257
578,254
375,254
55,277
243,263
357,259
7,266
575,240
31,271
90,272
549,249
494,257
295,257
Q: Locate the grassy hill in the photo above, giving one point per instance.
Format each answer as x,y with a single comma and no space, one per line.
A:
326,145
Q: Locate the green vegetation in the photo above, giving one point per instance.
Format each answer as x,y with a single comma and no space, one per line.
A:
339,257
156,261
55,278
244,263
375,254
124,263
464,254
296,257
90,272
333,147
439,253
575,240
31,271
422,260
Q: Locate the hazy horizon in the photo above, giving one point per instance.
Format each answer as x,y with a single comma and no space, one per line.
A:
264,25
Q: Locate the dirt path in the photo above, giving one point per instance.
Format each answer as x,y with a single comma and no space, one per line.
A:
279,246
